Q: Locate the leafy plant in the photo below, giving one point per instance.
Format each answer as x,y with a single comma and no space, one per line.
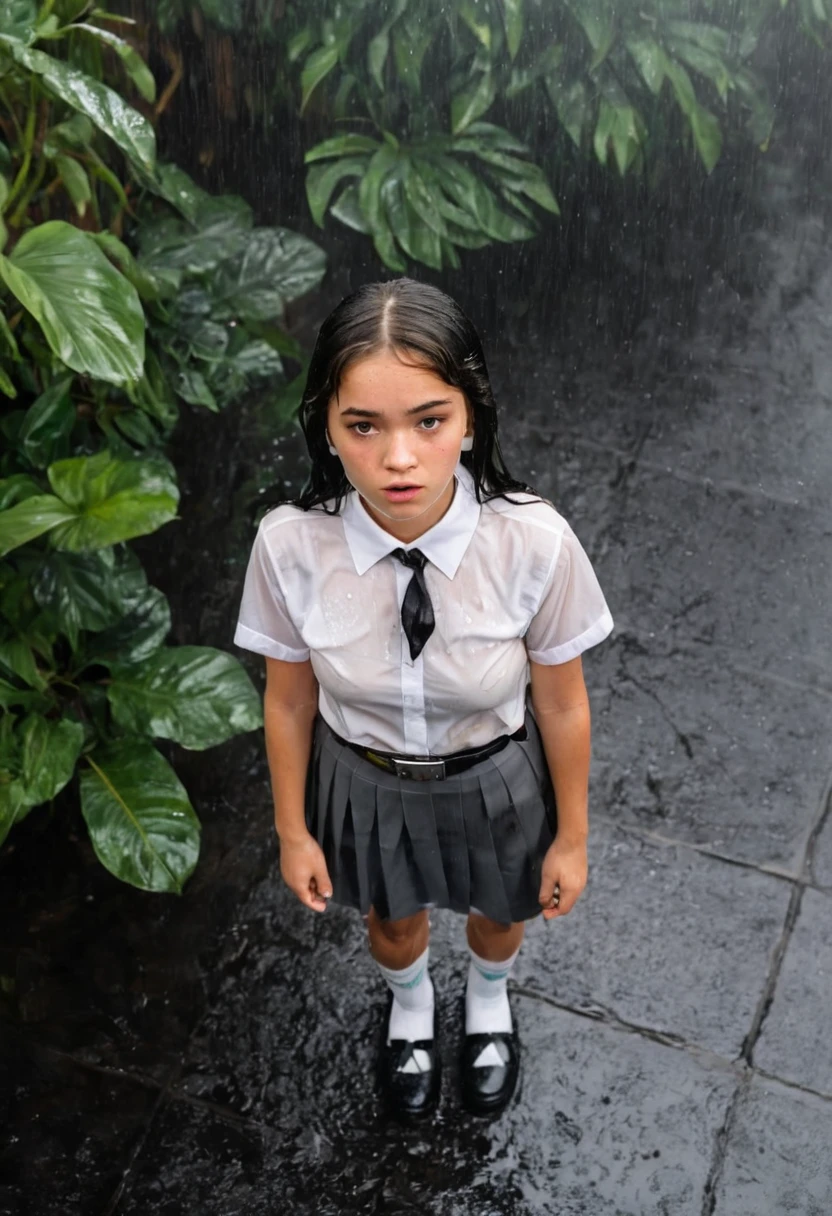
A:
98,343
425,175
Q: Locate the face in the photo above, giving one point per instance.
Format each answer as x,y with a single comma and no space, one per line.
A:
394,423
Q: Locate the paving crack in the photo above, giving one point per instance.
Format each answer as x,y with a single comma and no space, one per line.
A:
792,913
721,1140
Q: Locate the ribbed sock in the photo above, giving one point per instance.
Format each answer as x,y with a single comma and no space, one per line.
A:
487,1010
411,1014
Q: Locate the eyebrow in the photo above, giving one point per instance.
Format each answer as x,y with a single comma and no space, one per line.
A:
414,409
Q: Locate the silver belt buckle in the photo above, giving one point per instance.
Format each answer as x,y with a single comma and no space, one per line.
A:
420,770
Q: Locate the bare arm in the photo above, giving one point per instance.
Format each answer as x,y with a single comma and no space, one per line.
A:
289,708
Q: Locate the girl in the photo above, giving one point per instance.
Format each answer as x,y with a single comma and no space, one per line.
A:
426,720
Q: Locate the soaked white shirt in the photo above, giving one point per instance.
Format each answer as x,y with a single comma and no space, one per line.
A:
507,583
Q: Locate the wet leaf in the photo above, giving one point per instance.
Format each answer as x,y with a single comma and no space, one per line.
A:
90,314
140,820
196,695
277,265
127,128
134,65
44,432
111,498
44,756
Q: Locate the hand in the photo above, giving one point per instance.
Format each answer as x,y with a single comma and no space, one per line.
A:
565,864
304,871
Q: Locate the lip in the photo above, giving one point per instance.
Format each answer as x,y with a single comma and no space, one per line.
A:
402,495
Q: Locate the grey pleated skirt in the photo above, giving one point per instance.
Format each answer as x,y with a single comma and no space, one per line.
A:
472,840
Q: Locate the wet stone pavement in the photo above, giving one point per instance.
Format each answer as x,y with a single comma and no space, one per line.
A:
211,1054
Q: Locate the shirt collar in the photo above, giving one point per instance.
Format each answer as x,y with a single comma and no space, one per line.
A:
444,544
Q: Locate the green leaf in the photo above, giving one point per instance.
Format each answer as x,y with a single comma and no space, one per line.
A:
138,634
49,751
147,285
134,65
318,66
31,518
418,241
650,60
77,184
223,231
192,387
44,433
18,19
513,19
707,135
75,134
194,694
473,101
277,265
571,102
88,590
19,658
341,145
6,385
140,820
381,163
90,314
127,128
347,209
111,499
321,181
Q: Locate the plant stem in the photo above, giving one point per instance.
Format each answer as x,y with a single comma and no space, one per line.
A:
28,141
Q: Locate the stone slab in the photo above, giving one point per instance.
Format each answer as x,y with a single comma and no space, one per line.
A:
663,938
821,861
605,1123
777,1160
757,412
697,751
794,1042
751,577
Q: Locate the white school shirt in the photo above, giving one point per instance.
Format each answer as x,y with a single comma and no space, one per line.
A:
507,583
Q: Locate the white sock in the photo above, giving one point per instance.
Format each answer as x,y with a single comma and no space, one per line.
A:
487,1010
411,1014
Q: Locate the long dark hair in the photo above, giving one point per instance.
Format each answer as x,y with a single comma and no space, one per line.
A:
404,316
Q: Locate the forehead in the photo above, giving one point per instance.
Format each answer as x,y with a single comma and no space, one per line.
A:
388,382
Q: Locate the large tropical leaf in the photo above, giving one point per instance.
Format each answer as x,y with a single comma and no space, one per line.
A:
111,498
90,314
277,265
194,694
140,820
127,128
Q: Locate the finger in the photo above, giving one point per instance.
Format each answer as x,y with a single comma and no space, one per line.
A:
549,888
320,887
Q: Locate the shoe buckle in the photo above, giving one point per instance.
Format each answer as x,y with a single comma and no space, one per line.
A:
420,770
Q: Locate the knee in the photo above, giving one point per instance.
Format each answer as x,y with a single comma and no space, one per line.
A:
398,932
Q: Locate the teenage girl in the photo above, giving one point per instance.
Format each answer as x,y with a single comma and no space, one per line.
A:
426,720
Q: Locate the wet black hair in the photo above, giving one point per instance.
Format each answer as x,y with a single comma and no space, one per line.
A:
414,319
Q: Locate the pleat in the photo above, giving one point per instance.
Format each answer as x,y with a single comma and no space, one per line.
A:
487,889
507,837
420,825
322,807
446,800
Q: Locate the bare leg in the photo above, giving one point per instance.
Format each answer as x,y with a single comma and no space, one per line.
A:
491,940
398,943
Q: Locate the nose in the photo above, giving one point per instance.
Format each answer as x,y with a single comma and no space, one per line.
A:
398,454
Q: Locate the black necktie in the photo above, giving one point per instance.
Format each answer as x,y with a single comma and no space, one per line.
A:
417,610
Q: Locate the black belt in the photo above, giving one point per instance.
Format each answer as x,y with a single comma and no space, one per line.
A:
427,768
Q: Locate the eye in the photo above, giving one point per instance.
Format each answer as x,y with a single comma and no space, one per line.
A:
353,426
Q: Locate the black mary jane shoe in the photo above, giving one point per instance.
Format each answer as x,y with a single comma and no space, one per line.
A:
410,1074
488,1089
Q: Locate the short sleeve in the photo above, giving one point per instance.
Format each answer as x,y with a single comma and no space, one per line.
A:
264,624
572,614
